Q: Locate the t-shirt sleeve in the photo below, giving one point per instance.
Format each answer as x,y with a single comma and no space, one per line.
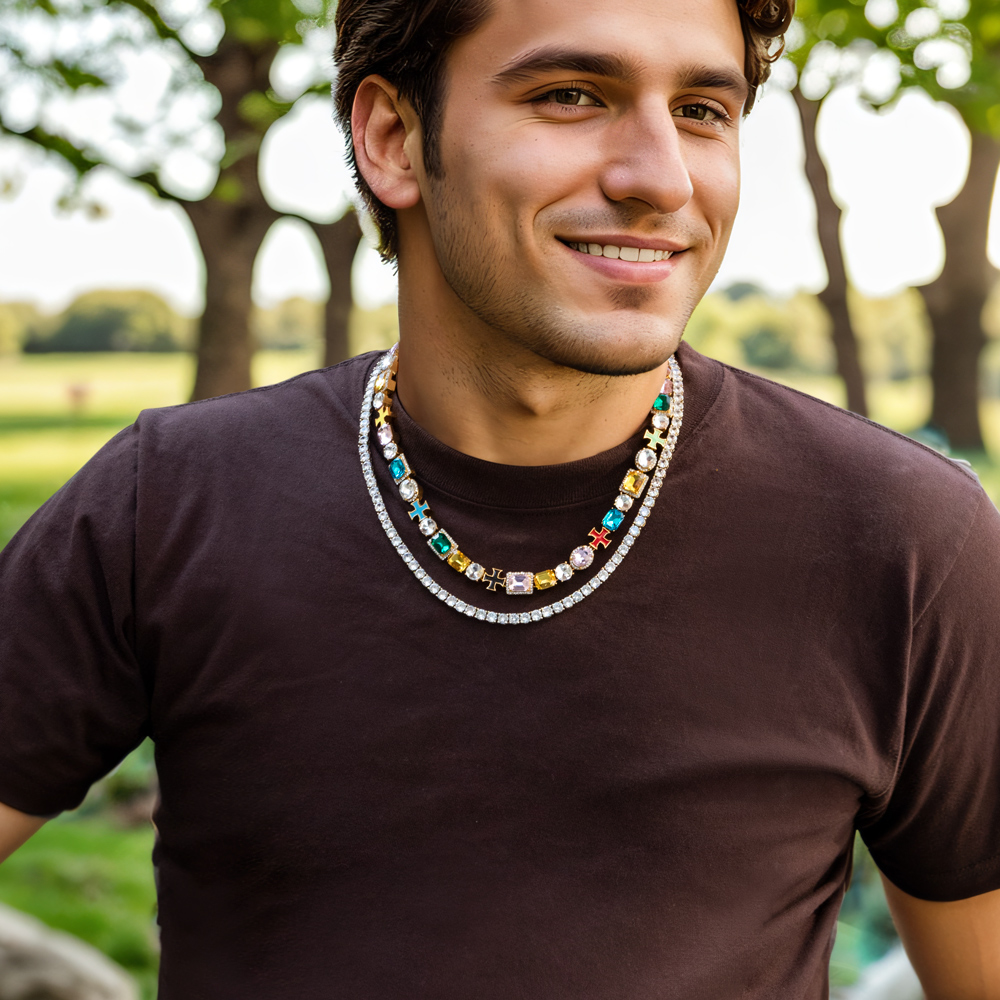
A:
938,836
73,700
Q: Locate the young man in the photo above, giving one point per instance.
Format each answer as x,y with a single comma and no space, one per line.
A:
443,706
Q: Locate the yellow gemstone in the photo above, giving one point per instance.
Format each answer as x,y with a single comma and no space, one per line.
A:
459,560
547,578
634,482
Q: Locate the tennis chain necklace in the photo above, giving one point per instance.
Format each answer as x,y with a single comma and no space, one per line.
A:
667,412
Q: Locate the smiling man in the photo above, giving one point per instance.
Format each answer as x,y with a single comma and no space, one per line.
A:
541,657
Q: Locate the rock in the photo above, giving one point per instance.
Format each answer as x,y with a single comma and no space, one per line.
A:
890,978
38,963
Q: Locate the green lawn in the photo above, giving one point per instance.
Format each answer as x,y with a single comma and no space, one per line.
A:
84,874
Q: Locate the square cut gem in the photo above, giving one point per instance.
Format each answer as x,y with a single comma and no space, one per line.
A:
634,482
459,561
613,519
520,583
399,468
547,578
443,544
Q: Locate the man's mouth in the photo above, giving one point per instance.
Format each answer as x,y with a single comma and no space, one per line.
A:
644,255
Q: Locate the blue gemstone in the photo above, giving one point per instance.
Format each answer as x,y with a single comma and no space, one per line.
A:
613,519
397,468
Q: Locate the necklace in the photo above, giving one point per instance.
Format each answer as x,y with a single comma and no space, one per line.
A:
667,412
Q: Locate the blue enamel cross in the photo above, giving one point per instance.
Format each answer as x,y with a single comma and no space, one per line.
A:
418,510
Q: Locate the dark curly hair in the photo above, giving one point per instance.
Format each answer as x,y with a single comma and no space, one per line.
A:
406,42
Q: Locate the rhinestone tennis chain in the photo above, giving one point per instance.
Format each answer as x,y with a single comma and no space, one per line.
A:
556,607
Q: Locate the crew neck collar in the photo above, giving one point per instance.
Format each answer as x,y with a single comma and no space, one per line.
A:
490,484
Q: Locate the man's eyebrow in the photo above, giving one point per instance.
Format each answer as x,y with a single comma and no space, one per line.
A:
715,78
545,60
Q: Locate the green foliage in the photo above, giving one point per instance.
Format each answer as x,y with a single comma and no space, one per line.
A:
111,321
94,880
294,323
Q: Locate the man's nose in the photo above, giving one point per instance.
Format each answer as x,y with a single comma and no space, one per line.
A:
645,160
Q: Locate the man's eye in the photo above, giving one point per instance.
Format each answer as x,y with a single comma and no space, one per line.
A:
578,98
699,112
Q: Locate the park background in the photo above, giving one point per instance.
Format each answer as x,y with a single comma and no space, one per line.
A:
177,221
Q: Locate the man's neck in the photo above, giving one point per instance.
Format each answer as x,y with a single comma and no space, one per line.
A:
485,396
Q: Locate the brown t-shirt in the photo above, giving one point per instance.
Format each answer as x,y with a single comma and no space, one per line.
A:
368,796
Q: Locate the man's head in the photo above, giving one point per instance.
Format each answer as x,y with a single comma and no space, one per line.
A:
508,140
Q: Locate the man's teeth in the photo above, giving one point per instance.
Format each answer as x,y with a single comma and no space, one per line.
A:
644,256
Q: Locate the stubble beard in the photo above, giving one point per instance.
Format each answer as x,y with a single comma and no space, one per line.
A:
620,342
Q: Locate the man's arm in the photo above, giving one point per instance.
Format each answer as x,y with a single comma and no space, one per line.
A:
954,947
15,828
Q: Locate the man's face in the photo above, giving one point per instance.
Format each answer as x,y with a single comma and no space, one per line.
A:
574,125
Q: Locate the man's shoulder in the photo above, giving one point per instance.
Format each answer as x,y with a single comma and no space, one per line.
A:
797,461
834,448
322,403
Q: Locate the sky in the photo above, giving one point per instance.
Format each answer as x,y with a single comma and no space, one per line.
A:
889,171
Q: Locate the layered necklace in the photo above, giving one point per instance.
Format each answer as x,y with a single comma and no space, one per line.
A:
651,463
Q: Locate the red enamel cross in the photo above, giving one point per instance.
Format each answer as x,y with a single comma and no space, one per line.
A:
599,538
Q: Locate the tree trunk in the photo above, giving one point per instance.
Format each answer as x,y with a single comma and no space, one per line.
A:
232,221
956,299
339,241
230,236
834,296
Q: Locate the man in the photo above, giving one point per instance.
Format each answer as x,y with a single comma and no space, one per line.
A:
646,782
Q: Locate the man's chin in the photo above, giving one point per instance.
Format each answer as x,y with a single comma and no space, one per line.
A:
610,355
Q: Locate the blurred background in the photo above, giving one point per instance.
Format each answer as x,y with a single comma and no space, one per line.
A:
177,221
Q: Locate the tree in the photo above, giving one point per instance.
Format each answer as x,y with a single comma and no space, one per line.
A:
220,63
951,49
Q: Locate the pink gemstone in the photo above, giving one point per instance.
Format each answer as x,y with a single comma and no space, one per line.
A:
520,583
668,387
384,434
582,557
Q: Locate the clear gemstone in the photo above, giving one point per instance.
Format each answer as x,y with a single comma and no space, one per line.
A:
491,616
427,526
525,618
603,575
557,607
585,590
480,615
640,520
581,557
646,459
576,597
390,451
502,619
644,510
435,587
661,421
536,616
520,582
420,574
469,610
452,601
441,595
616,558
475,572
546,612
563,572
623,502
408,489
378,401
384,434
459,605
635,529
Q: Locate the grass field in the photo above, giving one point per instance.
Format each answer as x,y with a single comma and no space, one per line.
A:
83,874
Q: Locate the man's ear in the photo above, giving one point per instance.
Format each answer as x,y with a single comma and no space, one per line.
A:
385,129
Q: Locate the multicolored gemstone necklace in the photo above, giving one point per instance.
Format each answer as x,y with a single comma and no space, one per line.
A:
667,412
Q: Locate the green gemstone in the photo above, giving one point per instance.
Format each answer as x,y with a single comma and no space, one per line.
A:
441,543
662,402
